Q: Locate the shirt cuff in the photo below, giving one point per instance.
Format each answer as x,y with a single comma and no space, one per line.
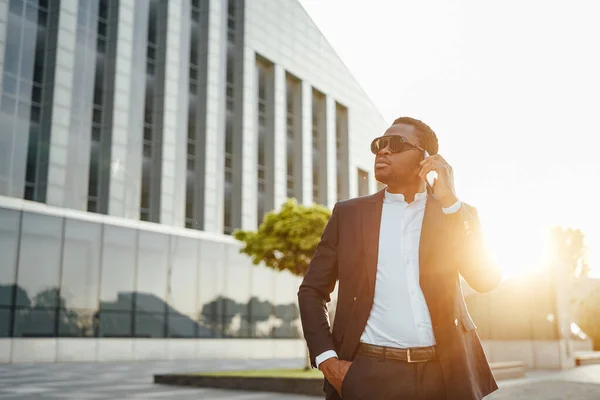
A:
325,356
453,208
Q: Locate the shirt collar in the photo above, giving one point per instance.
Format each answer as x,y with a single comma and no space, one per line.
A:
399,197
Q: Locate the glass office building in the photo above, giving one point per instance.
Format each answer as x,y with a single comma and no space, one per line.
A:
135,137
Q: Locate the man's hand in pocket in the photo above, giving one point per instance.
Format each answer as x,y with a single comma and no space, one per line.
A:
335,371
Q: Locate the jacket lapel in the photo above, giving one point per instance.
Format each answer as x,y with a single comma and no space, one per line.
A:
371,221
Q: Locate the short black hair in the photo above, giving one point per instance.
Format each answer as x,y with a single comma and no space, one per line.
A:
429,140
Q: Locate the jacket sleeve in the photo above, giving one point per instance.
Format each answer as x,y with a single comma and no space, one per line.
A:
475,263
316,288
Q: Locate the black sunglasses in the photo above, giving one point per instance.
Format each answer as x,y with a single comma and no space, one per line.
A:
395,143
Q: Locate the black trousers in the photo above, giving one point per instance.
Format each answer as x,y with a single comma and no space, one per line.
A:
370,378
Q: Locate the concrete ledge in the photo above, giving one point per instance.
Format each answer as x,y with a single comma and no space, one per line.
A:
587,358
305,386
508,370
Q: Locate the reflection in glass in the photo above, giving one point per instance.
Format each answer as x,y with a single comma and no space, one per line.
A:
76,323
115,324
5,322
81,264
210,288
153,257
262,318
183,284
149,325
286,308
9,241
237,293
34,322
118,268
39,259
181,326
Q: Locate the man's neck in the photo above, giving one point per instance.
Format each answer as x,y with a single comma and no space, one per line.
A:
409,190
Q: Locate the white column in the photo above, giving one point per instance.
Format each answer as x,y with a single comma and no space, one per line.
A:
61,105
125,185
306,151
174,151
214,177
330,153
249,150
135,90
280,167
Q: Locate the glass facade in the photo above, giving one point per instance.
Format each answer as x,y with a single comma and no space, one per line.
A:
25,106
341,150
106,13
73,278
194,203
265,105
153,121
293,121
88,275
318,145
229,90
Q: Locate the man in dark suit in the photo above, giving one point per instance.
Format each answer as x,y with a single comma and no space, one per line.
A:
401,329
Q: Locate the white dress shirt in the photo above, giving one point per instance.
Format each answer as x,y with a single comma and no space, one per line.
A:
399,316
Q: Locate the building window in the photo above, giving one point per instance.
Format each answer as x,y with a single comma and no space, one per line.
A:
70,278
194,205
101,135
318,145
27,91
152,139
293,104
234,20
341,150
363,182
265,112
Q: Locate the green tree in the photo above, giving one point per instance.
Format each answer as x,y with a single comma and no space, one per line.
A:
286,240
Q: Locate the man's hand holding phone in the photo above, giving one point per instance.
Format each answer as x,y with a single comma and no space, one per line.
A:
443,185
335,371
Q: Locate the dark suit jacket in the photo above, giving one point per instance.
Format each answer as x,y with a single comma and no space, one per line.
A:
450,245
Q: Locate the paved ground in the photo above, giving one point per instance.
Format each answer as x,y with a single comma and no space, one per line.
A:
123,381
128,381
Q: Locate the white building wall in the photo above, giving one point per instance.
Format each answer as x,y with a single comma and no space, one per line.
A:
214,178
283,33
61,104
249,149
124,183
174,151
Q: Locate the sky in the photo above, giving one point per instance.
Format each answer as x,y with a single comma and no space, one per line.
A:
512,90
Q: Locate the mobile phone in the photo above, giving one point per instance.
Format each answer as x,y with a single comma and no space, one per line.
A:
431,176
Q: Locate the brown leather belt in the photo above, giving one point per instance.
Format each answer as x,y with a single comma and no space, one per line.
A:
411,355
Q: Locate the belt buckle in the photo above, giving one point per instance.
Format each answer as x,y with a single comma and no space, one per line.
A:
410,360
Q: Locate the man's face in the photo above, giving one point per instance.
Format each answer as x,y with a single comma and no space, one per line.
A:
399,167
